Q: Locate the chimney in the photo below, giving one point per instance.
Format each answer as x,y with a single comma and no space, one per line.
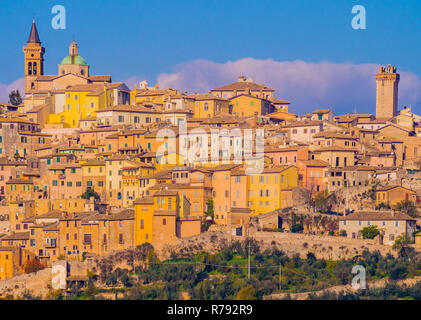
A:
241,79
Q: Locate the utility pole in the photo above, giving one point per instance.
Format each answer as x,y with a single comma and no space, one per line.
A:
248,237
249,262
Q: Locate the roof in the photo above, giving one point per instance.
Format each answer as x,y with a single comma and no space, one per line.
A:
93,163
128,108
19,181
294,124
100,78
164,213
322,111
278,101
243,85
74,60
315,163
8,248
155,92
387,188
33,35
164,192
376,216
327,134
335,148
17,236
204,96
144,200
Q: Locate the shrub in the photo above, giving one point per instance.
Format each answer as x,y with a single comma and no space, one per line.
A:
297,228
370,232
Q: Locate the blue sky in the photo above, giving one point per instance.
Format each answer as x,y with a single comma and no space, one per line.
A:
144,39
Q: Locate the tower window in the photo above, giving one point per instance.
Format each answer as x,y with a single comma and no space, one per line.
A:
35,68
30,68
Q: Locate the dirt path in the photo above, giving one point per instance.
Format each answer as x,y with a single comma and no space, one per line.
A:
337,289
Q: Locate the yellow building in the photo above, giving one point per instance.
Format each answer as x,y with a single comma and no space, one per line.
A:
391,195
83,101
114,179
265,190
246,105
93,176
12,261
208,105
163,217
152,95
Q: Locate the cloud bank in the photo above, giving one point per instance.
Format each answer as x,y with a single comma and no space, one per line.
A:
5,89
343,87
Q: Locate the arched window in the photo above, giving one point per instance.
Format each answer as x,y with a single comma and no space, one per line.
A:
35,68
30,68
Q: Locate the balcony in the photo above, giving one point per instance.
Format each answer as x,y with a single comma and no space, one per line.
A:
103,123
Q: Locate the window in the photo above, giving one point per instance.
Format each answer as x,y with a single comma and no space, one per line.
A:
87,239
142,224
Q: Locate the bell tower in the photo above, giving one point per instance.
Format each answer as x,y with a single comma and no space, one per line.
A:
34,59
387,92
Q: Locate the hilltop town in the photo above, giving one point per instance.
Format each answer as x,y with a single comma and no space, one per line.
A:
90,167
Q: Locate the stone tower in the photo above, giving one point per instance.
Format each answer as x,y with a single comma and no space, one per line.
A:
34,59
387,92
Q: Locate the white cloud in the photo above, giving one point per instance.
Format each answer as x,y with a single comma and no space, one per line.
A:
6,89
342,87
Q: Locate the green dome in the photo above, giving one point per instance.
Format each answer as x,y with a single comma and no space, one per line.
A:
78,60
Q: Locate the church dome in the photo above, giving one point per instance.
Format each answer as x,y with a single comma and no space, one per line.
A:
78,60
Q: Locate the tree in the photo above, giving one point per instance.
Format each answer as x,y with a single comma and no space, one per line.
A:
246,293
15,98
209,213
296,228
33,265
382,206
90,193
16,155
322,201
370,232
402,245
210,208
342,271
407,207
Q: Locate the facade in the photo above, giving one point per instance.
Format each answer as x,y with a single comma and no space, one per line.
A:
390,224
391,195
